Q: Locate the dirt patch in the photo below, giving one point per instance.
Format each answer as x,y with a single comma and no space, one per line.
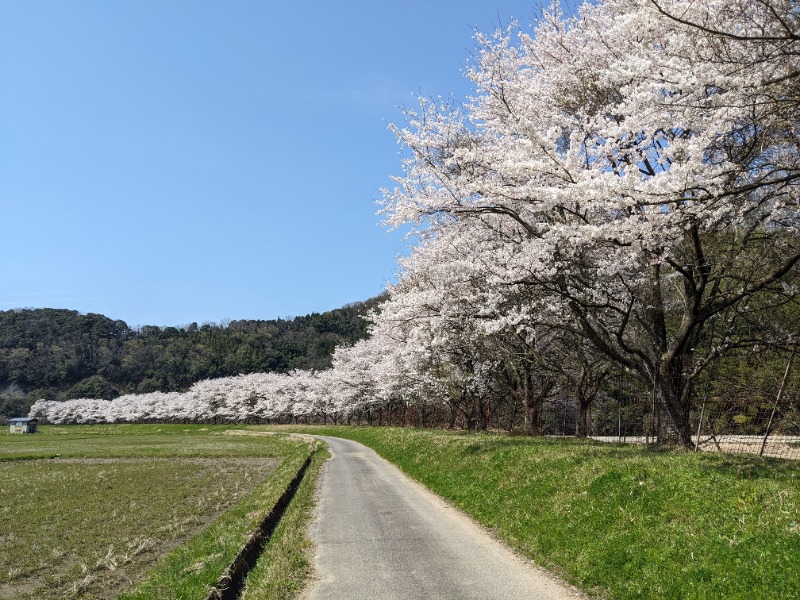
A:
295,437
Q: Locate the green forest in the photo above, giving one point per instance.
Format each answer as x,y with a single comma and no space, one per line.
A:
60,354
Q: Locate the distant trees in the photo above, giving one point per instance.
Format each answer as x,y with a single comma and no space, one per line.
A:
253,398
60,354
49,348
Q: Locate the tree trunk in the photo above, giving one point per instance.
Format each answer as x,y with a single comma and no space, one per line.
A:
534,406
534,401
514,409
675,393
587,389
583,425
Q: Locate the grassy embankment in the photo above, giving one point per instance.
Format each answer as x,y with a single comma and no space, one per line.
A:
285,565
618,521
89,512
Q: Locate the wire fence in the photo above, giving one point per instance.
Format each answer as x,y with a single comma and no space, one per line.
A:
728,412
754,410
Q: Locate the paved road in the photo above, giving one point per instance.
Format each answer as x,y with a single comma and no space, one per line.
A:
381,536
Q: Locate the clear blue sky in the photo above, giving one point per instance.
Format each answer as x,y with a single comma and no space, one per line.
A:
166,162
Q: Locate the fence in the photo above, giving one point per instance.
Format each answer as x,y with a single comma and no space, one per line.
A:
753,408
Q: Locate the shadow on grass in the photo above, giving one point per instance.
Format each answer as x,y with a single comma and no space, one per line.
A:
751,467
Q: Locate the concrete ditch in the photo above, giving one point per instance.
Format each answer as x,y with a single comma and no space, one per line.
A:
229,586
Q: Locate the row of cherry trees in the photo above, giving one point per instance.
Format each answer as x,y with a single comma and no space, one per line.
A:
622,191
258,397
620,194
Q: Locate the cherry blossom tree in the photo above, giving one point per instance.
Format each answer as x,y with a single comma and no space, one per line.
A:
469,341
643,156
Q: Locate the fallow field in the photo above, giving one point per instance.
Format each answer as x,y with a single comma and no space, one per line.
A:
139,511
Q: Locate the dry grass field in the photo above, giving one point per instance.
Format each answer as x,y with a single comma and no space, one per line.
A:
85,512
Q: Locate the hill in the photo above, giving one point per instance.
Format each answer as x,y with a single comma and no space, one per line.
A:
60,354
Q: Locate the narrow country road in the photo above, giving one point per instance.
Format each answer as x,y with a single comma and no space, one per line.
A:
381,536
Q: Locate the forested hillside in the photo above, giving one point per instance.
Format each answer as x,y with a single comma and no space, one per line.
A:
60,354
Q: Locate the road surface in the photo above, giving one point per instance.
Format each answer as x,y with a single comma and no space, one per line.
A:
381,536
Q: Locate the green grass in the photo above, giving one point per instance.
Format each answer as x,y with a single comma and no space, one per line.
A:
618,521
285,565
125,441
97,518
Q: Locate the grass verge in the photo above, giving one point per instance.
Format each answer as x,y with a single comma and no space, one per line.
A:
618,521
285,565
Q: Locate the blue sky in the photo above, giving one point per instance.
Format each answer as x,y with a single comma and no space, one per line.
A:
167,162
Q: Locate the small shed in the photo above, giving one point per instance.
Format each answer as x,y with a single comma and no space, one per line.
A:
23,425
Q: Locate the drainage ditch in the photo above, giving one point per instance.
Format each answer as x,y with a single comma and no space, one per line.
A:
229,586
